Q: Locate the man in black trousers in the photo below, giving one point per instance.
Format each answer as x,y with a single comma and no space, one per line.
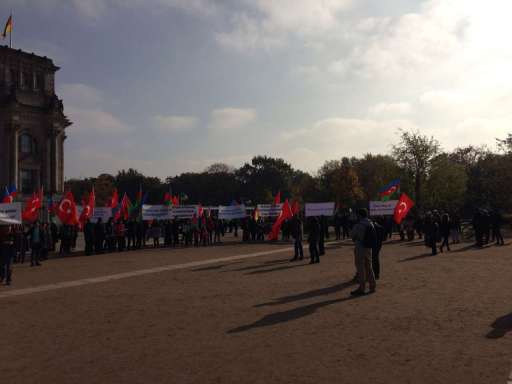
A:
314,236
297,238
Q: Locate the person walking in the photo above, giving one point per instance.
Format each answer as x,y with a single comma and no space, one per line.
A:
444,230
313,237
365,239
380,237
35,244
89,237
497,222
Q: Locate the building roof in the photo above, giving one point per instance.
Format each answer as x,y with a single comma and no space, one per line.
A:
18,54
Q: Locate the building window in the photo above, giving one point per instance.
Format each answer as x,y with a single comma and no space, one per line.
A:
28,180
27,145
39,81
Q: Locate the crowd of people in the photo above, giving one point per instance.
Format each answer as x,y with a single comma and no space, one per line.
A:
437,229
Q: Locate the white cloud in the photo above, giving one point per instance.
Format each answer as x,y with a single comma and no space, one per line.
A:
84,105
335,137
95,121
231,119
175,124
78,94
272,21
391,109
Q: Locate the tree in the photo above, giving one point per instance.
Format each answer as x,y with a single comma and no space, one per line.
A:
505,145
447,184
339,182
414,153
375,171
219,168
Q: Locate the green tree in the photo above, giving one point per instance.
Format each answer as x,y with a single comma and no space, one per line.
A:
414,153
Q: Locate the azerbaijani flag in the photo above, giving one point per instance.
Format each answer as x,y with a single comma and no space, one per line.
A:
9,194
390,191
8,27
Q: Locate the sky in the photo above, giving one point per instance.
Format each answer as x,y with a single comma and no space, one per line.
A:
172,86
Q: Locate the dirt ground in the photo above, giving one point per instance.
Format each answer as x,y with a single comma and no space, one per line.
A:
262,319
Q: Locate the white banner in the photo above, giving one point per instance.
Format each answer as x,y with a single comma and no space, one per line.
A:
383,208
10,213
156,212
104,213
269,210
184,212
319,209
232,212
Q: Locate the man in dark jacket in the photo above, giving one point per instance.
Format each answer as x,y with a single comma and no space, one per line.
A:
99,236
314,236
89,237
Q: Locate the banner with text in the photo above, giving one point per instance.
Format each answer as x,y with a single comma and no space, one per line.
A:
104,213
10,214
156,212
184,212
269,210
383,208
319,209
232,212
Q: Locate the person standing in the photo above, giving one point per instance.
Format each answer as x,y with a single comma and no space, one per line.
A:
444,230
46,241
365,238
497,221
6,253
35,244
313,237
296,229
89,237
323,234
99,236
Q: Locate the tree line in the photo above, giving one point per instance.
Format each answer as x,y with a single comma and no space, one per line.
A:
454,181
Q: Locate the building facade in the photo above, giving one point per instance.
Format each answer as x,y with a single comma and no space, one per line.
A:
32,123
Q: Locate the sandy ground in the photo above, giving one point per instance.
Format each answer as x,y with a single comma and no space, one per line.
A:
442,319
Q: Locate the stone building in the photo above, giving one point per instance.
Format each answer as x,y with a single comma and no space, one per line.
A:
32,123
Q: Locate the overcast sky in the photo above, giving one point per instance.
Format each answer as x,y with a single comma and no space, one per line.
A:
167,86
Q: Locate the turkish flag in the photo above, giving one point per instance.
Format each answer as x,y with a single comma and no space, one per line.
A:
114,200
32,207
402,208
277,198
88,210
66,210
126,206
286,213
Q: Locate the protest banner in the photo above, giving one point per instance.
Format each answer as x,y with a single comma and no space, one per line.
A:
383,208
319,209
232,212
104,213
184,211
10,213
269,210
156,212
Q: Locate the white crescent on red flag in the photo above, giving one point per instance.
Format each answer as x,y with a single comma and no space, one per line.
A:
402,208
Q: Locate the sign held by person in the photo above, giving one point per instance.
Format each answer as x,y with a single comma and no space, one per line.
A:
383,208
319,209
10,214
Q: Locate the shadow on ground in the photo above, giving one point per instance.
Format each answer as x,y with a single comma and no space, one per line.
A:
290,315
501,326
307,295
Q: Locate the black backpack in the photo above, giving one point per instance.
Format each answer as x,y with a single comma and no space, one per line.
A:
370,237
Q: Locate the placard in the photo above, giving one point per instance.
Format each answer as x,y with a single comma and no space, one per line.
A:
383,208
105,213
156,212
232,212
269,210
320,209
10,213
184,212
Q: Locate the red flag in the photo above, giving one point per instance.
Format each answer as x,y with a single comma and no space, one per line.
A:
286,213
88,209
114,200
277,198
295,208
176,201
126,205
167,199
31,211
66,210
402,208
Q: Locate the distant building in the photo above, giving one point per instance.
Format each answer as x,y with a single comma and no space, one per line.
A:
32,123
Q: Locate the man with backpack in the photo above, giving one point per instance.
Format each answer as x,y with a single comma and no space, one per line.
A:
365,239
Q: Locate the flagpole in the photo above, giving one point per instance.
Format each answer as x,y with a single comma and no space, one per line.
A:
10,32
